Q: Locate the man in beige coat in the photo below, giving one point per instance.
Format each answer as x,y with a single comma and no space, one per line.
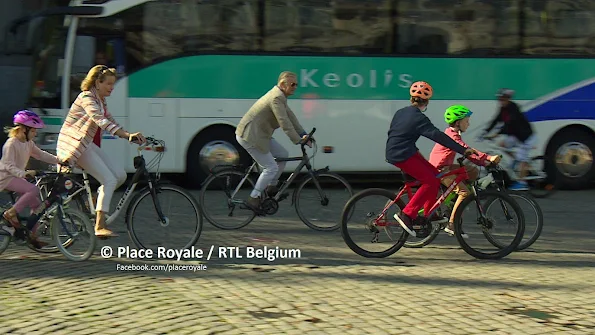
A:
255,134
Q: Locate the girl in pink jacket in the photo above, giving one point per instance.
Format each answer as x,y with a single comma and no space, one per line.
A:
15,154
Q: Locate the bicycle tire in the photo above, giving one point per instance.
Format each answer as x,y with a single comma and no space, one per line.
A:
83,206
50,249
5,239
158,187
503,252
84,219
203,191
301,187
524,243
436,228
345,215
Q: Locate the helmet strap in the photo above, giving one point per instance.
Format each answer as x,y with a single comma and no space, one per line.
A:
27,129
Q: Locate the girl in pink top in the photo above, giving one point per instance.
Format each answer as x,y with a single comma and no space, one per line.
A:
442,158
15,155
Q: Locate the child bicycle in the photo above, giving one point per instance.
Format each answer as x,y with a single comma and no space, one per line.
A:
230,180
421,225
76,224
493,180
44,180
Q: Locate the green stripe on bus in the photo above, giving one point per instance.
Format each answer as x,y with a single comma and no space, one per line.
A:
356,78
52,120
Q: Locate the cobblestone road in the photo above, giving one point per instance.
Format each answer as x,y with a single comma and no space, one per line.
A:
328,290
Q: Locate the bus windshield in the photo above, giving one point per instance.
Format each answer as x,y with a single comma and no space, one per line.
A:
48,62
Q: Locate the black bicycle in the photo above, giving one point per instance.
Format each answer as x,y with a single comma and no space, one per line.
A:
223,194
74,226
149,216
497,179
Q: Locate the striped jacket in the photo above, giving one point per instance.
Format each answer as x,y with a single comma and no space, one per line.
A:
87,114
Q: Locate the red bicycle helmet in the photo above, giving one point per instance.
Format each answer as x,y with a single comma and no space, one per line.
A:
421,89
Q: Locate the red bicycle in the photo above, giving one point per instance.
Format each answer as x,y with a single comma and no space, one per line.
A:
394,236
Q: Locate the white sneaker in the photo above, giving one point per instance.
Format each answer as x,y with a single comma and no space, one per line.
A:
452,233
401,221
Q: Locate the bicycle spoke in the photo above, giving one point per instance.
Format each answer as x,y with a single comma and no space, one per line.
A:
180,226
368,226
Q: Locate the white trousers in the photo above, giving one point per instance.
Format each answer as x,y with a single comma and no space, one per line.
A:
524,148
107,172
271,169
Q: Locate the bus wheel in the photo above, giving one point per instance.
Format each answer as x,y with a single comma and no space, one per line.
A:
571,158
214,146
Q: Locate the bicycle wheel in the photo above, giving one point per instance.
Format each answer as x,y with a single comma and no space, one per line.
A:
45,234
180,210
393,236
541,185
219,189
328,190
488,230
420,242
73,226
4,240
532,214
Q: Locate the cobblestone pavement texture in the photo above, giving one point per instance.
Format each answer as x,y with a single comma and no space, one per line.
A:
329,290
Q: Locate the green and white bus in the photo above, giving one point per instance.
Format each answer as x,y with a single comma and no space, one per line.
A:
190,69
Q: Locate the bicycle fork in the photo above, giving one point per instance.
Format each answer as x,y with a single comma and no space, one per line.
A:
163,220
323,198
482,217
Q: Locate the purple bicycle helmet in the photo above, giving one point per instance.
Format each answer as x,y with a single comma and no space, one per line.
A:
28,119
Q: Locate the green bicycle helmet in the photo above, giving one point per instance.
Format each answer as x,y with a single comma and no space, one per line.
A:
455,113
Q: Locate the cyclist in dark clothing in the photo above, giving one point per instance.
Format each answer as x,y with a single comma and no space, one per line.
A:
407,126
518,132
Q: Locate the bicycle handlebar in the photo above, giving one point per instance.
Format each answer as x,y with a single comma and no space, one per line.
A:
152,144
308,138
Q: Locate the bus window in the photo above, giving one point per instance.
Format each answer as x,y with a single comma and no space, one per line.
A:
560,27
131,39
220,25
48,59
346,26
471,27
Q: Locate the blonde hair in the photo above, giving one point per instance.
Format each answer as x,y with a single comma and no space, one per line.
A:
97,72
12,131
284,75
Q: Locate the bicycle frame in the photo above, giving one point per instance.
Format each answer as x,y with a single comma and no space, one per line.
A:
141,173
304,162
54,202
461,175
